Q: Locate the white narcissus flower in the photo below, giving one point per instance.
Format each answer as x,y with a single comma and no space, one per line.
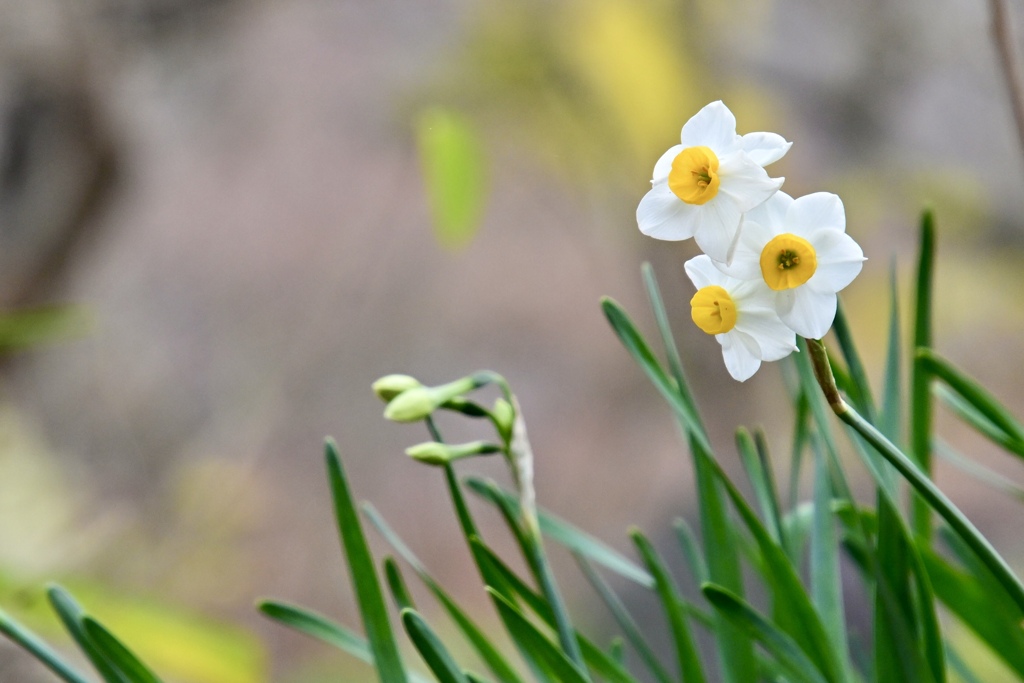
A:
702,187
741,315
800,249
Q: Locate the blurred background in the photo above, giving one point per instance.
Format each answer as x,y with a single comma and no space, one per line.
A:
214,209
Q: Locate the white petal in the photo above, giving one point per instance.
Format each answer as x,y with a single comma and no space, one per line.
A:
746,256
840,260
808,313
773,337
811,213
664,164
703,273
720,220
713,126
740,353
772,213
765,148
664,216
746,182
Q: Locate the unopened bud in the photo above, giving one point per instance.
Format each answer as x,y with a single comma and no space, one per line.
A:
504,417
434,453
411,405
389,386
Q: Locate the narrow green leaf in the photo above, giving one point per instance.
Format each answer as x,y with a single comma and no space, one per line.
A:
514,587
363,575
796,665
117,654
938,501
920,393
980,472
396,583
71,615
430,647
28,641
735,649
474,634
535,642
671,350
687,658
826,581
318,626
755,462
691,550
981,607
43,325
978,397
793,611
861,390
641,352
890,420
323,629
624,620
567,535
454,170
974,418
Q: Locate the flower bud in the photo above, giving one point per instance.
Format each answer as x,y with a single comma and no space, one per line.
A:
434,453
504,416
418,402
389,386
411,405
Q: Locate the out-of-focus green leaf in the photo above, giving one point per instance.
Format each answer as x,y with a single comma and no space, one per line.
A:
31,643
430,647
71,615
890,420
687,657
564,533
488,652
977,406
363,574
691,550
826,586
454,170
755,462
117,653
920,394
531,639
979,603
323,629
625,621
792,608
798,668
671,352
989,477
178,643
396,583
860,389
31,327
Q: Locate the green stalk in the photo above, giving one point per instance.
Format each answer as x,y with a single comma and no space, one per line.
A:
920,380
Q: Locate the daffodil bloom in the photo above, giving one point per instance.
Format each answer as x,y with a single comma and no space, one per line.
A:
741,316
799,248
702,187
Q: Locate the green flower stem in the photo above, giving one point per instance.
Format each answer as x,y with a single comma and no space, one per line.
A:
925,487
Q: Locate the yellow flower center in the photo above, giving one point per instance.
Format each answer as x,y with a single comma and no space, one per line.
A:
787,261
713,310
694,175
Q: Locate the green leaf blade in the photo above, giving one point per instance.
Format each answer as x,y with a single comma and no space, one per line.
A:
363,574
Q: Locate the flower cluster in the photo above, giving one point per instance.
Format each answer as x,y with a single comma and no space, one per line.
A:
772,264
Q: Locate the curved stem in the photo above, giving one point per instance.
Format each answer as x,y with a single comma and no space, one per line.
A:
925,487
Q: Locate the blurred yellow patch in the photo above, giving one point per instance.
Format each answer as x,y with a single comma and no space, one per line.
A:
628,56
